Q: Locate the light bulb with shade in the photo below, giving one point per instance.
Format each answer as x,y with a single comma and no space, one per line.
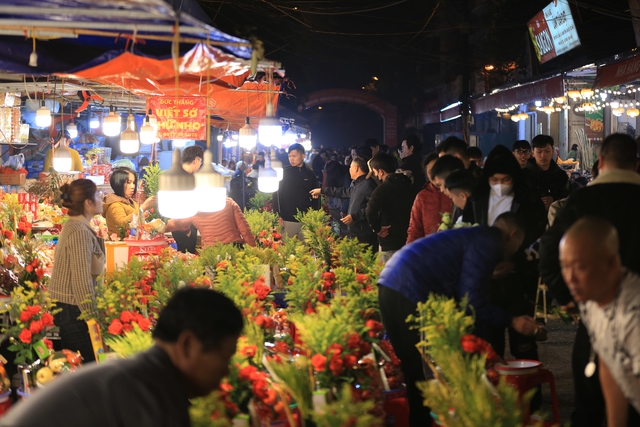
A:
112,123
615,103
276,165
61,160
270,131
73,130
147,133
43,117
247,136
129,142
268,180
290,136
210,192
94,122
176,191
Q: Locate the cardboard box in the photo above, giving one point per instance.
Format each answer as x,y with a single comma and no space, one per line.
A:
117,255
64,176
13,179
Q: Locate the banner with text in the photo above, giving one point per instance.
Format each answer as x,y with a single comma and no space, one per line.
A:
553,31
180,118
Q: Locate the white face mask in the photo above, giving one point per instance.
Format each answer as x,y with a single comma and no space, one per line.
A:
501,189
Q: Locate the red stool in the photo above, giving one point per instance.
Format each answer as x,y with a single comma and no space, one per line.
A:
526,382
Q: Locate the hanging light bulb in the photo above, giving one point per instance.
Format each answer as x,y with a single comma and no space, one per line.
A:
72,129
94,122
615,103
129,142
548,109
560,99
617,111
175,191
147,132
538,103
586,93
62,161
270,129
276,165
153,120
247,136
633,112
268,179
290,136
523,116
43,117
573,94
210,192
515,118
111,124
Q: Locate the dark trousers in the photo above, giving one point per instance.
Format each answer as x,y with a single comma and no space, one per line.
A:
370,240
589,404
74,333
394,308
186,242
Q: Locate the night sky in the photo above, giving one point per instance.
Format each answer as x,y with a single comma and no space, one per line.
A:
411,46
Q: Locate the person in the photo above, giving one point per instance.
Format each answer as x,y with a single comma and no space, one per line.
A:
228,225
232,165
317,165
608,297
359,193
225,162
521,149
334,174
119,207
238,186
574,153
194,340
441,170
615,196
260,161
452,263
76,161
456,147
389,208
411,155
459,186
549,181
192,158
374,145
79,259
293,193
428,206
475,155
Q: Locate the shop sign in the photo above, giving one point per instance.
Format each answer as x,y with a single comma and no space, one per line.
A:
180,117
618,73
542,89
594,125
553,31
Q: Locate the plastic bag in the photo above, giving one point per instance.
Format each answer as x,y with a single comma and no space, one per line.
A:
15,162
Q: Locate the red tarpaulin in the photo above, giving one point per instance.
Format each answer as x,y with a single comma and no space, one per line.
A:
541,89
617,74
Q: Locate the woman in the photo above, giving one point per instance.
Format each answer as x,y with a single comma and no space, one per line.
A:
120,207
79,259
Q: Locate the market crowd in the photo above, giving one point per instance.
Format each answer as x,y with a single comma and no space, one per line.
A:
456,223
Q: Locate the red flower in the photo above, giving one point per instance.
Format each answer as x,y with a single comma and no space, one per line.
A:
281,347
350,361
127,327
336,364
249,351
47,319
115,328
319,362
374,327
222,265
48,343
322,297
245,373
8,234
29,269
34,309
277,236
39,272
362,278
25,316
36,327
309,309
261,290
126,316
264,321
353,342
144,324
25,336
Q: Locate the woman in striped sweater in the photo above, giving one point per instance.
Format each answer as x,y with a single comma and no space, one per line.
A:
79,259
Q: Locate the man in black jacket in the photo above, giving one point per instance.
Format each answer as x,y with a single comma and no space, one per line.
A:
615,196
358,194
411,155
549,181
389,209
293,194
456,147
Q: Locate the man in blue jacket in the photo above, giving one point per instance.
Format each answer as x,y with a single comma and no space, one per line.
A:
452,263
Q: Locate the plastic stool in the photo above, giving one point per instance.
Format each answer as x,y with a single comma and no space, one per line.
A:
526,382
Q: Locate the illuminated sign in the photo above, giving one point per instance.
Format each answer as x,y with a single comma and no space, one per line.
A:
553,31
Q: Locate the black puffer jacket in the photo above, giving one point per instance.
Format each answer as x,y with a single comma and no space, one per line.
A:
413,163
358,193
553,182
390,204
293,194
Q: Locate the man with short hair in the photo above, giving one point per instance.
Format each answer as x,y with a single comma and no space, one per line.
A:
195,338
411,155
475,155
442,168
609,300
358,193
549,181
389,208
522,152
374,145
615,196
293,194
454,264
192,158
456,147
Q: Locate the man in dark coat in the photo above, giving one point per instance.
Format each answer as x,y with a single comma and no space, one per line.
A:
456,147
358,193
615,196
452,263
549,181
389,209
411,155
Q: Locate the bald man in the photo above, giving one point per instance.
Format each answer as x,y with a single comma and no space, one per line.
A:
609,300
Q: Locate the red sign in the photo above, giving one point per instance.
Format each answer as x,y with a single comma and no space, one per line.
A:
542,89
619,73
180,118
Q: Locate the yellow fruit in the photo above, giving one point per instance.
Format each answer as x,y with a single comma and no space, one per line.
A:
45,375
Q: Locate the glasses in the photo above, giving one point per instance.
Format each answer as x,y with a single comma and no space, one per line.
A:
523,152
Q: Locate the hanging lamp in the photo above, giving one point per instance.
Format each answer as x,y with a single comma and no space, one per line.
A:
247,136
94,122
147,132
43,116
210,192
175,191
62,161
111,124
270,129
276,165
268,181
72,129
129,143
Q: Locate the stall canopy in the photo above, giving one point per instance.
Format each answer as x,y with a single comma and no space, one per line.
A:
529,92
618,73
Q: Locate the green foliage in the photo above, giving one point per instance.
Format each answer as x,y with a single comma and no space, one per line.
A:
305,280
325,327
208,411
347,411
132,343
173,274
260,201
210,256
296,378
151,179
318,234
260,221
10,212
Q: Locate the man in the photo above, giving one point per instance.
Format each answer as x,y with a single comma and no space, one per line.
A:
615,196
522,152
441,170
238,185
411,155
195,338
191,162
389,207
549,181
458,148
358,194
475,155
609,300
428,206
374,145
451,263
76,161
192,158
293,194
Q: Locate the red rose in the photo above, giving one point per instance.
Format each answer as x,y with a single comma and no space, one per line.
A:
39,272
115,328
374,327
362,278
281,347
319,362
322,297
309,309
245,373
48,343
8,234
261,290
350,361
25,316
47,319
144,324
264,321
29,269
336,364
126,316
127,327
25,336
36,327
34,309
353,341
249,351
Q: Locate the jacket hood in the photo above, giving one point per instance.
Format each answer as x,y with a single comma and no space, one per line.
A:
399,179
113,198
553,166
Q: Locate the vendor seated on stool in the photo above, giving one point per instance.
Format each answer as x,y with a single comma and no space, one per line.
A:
76,161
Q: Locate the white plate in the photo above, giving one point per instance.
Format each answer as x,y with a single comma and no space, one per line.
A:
518,367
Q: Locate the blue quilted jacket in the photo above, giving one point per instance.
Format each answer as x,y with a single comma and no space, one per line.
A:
450,263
